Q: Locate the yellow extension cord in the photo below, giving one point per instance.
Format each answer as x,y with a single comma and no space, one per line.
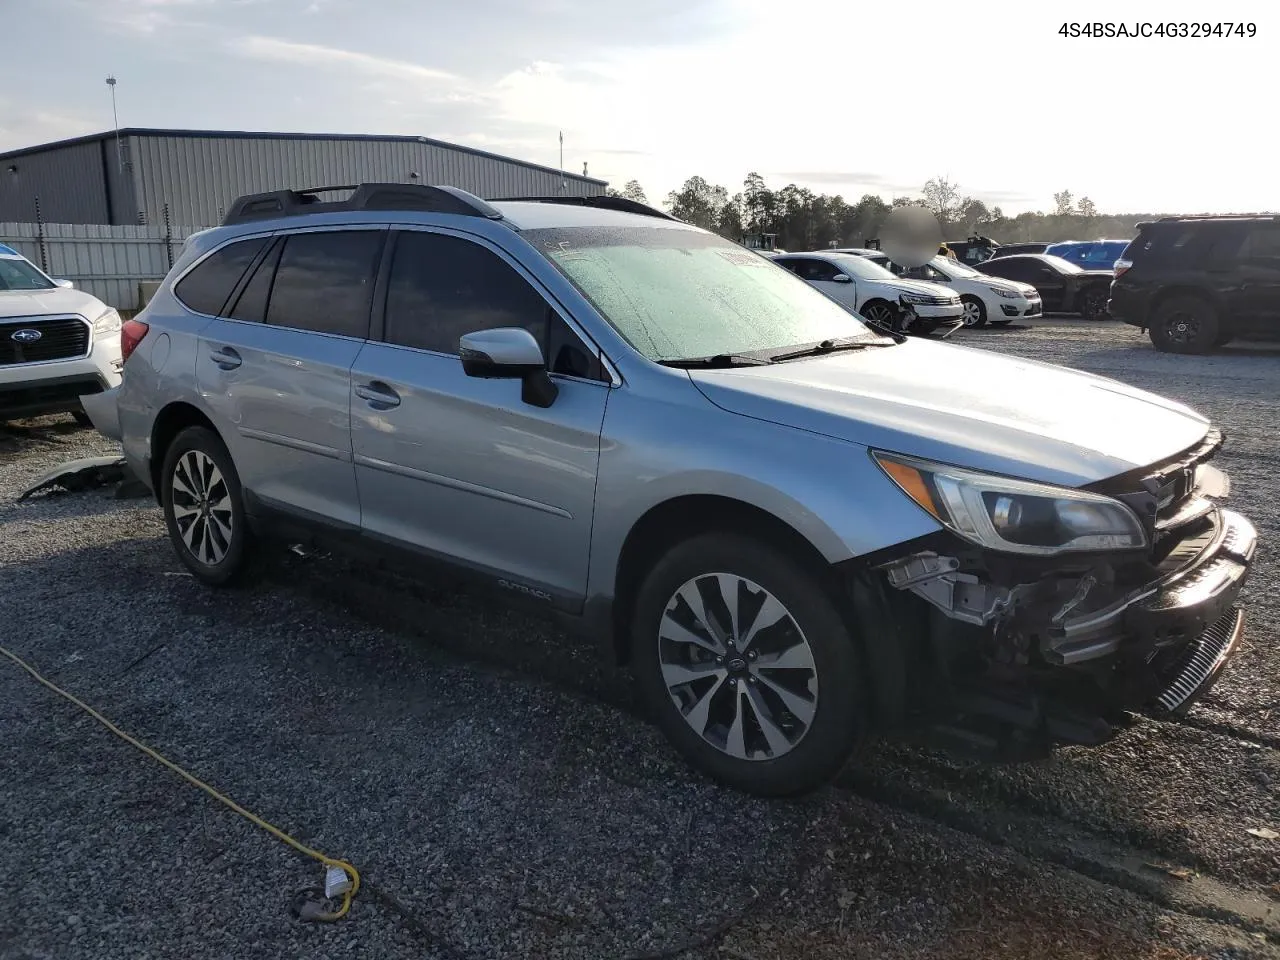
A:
273,830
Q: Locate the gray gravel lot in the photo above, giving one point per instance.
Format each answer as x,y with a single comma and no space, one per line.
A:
502,798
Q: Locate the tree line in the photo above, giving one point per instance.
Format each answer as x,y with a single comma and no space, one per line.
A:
804,220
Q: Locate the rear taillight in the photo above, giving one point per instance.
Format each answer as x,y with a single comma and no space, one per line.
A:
1122,265
131,334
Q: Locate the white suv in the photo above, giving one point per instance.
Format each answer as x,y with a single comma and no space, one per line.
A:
57,343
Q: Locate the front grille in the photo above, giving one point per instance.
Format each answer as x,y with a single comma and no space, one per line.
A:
61,338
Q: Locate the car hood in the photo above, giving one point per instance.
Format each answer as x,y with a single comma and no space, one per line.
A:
1013,286
966,407
34,303
922,287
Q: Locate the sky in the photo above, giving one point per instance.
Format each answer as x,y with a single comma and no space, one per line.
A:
840,96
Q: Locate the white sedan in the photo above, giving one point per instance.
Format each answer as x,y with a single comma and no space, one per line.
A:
872,291
986,299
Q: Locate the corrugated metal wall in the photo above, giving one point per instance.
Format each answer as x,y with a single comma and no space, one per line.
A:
199,177
105,261
68,180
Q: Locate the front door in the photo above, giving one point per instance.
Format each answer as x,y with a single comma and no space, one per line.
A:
462,468
275,370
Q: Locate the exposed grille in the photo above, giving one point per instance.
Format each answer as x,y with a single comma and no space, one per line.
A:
1204,657
60,338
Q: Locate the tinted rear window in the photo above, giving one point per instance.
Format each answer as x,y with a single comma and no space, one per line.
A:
1185,242
324,282
206,288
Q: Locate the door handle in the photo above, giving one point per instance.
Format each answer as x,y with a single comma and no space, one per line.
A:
226,358
378,394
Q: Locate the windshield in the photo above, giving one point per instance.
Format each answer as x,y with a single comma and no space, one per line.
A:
953,268
679,294
860,268
1064,266
17,274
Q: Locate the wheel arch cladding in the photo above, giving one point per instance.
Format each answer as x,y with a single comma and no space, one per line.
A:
858,595
681,518
171,421
1174,291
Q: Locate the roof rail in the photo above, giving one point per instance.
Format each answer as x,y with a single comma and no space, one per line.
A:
1223,216
621,204
365,196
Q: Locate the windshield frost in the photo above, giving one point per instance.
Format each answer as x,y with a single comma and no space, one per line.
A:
678,294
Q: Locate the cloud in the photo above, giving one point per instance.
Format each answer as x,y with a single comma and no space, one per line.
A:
26,128
274,50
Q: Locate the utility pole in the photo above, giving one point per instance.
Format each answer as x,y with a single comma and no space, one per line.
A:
115,122
564,187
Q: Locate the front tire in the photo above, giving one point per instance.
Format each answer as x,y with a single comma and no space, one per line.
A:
1185,325
1093,304
204,507
747,665
975,311
883,313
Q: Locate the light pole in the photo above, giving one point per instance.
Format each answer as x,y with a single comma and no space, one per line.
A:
115,122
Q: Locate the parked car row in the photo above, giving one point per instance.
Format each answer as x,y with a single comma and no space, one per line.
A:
797,529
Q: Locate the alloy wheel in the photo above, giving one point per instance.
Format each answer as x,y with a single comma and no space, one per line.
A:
1182,328
879,313
202,507
737,666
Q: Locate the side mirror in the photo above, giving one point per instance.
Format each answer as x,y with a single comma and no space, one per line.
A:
842,278
509,353
65,284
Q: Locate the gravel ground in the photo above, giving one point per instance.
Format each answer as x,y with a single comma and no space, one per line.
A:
502,797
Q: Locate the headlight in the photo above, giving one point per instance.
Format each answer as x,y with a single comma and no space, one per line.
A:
914,298
1015,516
1008,294
107,324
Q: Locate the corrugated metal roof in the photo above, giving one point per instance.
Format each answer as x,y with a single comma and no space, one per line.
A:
264,135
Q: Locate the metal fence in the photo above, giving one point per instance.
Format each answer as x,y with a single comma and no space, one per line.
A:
106,261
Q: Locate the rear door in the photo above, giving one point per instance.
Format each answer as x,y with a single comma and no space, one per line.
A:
276,370
462,468
1258,303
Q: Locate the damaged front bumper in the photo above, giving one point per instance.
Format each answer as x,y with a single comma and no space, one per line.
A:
1066,653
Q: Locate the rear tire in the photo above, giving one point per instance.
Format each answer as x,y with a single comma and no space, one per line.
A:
204,507
81,418
767,730
975,311
1185,324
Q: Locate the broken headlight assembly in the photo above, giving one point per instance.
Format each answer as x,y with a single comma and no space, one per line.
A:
1015,516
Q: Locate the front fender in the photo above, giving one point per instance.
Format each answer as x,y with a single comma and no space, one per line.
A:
829,491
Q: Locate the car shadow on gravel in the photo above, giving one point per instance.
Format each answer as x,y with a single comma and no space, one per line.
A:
482,768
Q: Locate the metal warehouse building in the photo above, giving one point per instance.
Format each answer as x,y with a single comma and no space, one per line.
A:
127,177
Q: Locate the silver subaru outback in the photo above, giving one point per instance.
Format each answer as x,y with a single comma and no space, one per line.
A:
797,528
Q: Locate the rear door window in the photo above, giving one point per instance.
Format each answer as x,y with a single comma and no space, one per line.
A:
324,282
1262,242
251,304
206,288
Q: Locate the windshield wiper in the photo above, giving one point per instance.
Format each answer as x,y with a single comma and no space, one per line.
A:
830,346
716,361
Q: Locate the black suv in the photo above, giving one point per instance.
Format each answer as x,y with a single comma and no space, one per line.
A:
1197,282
